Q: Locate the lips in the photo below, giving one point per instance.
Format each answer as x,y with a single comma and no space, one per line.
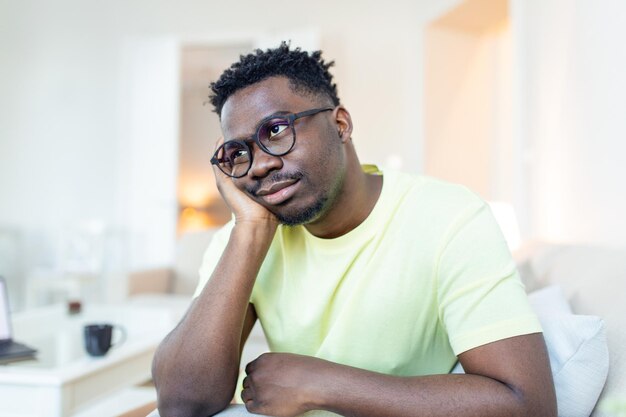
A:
278,192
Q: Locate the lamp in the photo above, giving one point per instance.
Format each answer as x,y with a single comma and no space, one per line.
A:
194,218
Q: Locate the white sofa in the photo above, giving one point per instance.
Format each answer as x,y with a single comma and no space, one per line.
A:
180,278
593,280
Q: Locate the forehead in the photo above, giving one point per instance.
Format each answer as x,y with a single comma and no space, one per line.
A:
245,108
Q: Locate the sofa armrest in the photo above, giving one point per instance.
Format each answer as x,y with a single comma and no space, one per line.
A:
151,281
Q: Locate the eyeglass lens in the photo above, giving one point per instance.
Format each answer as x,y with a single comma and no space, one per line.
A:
235,158
275,136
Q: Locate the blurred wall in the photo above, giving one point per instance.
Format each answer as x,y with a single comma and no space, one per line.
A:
68,152
571,64
467,106
563,166
64,151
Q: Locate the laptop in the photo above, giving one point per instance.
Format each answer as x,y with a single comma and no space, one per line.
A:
9,349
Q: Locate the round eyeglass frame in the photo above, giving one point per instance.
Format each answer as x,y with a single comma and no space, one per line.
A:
291,118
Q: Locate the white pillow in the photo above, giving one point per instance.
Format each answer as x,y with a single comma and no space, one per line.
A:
549,302
578,351
579,358
579,355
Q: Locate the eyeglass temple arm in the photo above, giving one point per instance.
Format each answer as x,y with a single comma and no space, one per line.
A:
311,112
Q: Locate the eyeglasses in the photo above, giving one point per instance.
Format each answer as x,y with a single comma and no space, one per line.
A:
275,135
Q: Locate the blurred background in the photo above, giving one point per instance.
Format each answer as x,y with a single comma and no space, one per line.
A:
105,138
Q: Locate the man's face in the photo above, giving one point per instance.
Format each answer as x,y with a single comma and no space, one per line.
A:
300,186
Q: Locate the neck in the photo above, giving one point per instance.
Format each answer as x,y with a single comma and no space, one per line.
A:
355,201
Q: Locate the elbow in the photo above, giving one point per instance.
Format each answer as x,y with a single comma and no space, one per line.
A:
526,407
181,392
535,404
182,407
544,403
548,408
176,398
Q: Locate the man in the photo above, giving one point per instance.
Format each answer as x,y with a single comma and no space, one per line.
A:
368,284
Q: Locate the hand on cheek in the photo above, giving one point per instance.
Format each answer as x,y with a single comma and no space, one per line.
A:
243,207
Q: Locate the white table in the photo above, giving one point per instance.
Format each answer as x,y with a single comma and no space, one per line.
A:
64,378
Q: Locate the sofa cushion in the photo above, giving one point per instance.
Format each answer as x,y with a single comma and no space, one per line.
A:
549,302
594,282
578,352
579,359
189,251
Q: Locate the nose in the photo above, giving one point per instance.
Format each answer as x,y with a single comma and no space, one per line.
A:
263,163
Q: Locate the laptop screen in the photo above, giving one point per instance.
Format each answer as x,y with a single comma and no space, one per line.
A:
5,326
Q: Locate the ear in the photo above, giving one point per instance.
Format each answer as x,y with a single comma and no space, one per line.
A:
344,123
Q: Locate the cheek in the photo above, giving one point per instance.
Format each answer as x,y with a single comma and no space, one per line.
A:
318,155
321,152
240,184
328,158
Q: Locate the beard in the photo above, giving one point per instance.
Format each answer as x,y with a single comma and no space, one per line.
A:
304,216
298,216
316,210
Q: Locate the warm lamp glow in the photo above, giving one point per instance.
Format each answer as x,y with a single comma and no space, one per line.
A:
507,220
192,219
196,193
195,218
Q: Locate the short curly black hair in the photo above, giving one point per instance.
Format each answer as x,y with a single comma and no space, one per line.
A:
308,73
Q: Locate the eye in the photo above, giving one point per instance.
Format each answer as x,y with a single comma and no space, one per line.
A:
239,156
235,153
276,129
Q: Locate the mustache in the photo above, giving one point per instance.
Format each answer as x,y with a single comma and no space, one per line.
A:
252,189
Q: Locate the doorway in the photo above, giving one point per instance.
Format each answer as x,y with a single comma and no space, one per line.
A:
468,99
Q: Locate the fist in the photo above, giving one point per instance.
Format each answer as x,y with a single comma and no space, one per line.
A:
283,384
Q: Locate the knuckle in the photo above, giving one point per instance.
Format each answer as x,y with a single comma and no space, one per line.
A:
252,407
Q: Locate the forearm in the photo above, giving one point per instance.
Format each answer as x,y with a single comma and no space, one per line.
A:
355,392
196,366
510,377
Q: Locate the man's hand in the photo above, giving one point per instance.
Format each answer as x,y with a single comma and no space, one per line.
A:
245,209
282,384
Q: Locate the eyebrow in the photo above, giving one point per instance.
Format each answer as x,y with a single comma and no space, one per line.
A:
263,120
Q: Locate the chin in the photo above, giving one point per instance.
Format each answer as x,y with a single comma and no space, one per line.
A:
296,217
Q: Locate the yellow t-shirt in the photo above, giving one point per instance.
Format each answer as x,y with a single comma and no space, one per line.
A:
425,277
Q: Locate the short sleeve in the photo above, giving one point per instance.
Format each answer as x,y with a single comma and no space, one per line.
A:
212,255
481,298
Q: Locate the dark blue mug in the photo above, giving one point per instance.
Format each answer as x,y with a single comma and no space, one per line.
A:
99,338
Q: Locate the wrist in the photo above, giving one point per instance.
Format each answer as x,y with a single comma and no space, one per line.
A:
256,221
255,232
324,387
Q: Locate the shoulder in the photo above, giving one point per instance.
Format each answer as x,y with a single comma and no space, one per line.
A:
431,198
